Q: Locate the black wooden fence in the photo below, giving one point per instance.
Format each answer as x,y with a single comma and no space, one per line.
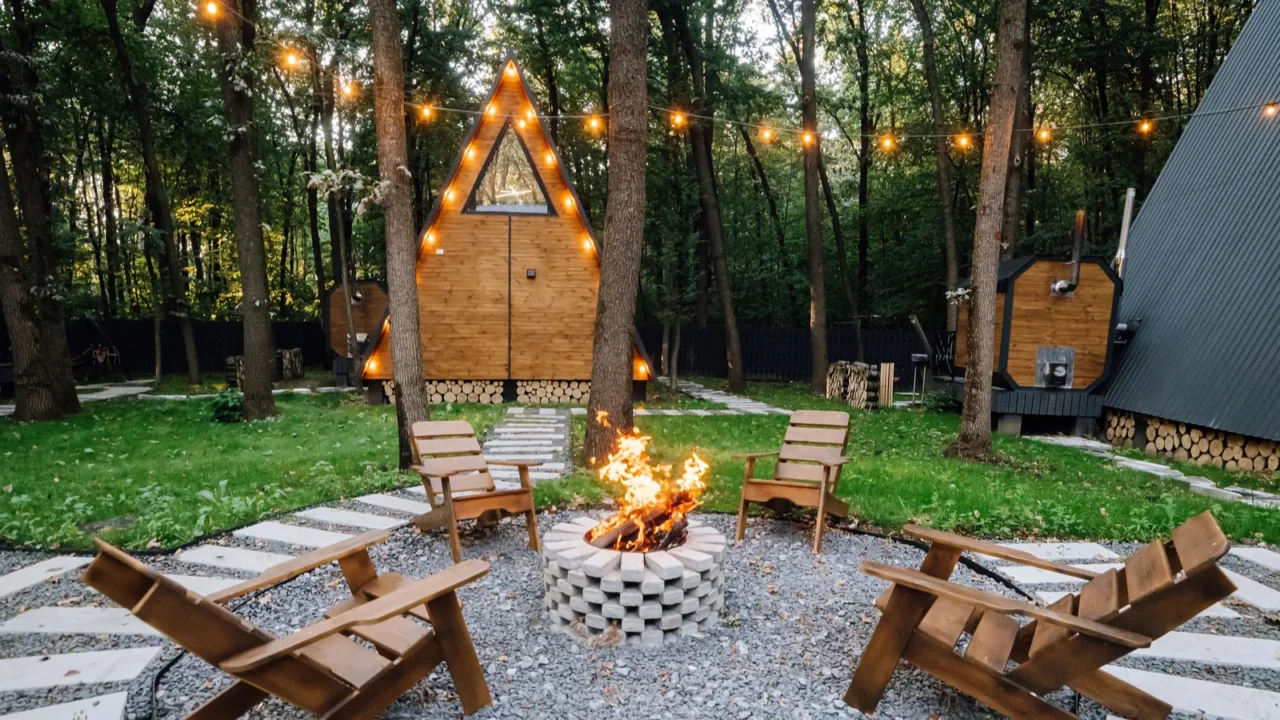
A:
781,353
215,341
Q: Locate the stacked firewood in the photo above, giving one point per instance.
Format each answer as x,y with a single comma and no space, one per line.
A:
288,367
1191,443
473,391
847,383
545,392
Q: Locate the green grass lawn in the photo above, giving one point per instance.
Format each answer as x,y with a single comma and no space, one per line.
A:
149,473
153,473
897,475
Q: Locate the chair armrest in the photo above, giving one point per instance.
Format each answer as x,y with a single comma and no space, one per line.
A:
834,462
408,596
996,551
756,456
938,587
515,463
303,563
430,468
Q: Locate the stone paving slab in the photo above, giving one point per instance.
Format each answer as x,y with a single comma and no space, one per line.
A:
291,534
43,671
37,573
253,561
102,707
1202,697
76,621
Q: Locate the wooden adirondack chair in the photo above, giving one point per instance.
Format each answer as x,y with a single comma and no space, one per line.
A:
1160,587
807,472
320,668
456,477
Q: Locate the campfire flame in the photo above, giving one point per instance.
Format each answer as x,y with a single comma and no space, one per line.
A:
654,503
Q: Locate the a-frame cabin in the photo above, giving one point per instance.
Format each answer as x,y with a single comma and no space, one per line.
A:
508,266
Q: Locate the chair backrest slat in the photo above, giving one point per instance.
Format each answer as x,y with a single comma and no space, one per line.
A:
1147,571
812,436
1048,633
448,446
1199,542
1102,597
442,428
459,463
992,641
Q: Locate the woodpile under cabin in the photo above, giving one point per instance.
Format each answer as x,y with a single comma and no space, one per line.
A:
508,268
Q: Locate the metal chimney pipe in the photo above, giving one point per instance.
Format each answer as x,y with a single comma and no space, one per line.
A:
1062,287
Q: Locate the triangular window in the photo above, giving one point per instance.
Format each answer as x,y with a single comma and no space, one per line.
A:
508,184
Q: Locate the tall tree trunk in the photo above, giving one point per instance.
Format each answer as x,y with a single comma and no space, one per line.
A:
402,273
610,411
313,199
701,136
110,236
1020,145
23,135
974,440
842,256
157,196
34,395
864,162
548,78
236,38
941,156
812,209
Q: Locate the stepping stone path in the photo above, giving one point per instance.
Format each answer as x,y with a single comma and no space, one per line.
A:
735,404
94,393
539,435
1196,484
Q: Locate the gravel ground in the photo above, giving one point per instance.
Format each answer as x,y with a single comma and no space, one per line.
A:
791,633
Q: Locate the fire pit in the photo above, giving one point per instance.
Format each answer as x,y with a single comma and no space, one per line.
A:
647,574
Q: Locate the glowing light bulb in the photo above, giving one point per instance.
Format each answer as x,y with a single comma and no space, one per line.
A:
677,119
806,139
887,142
587,244
528,113
963,142
521,123
1045,135
511,69
568,202
431,238
426,112
211,8
1144,127
766,134
291,59
593,123
448,194
373,364
551,158
471,153
1271,110
349,88
491,110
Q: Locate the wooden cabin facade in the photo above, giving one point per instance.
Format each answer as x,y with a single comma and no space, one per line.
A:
1053,349
367,313
508,266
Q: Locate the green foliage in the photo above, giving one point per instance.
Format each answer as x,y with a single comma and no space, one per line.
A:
227,406
942,402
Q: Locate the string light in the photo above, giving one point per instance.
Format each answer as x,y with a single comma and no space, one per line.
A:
887,142
593,122
677,119
373,364
963,141
806,139
1271,110
426,112
471,152
448,194
528,113
211,9
568,202
430,238
511,69
1044,135
491,110
521,123
587,244
1144,127
551,158
349,87
291,59
766,134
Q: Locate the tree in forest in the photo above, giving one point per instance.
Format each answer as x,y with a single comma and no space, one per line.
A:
236,40
402,285
974,440
33,395
610,411
941,141
21,109
175,286
812,141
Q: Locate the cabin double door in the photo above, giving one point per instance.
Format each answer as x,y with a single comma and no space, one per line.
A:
510,298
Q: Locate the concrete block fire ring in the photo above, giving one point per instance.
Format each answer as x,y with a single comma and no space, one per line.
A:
650,598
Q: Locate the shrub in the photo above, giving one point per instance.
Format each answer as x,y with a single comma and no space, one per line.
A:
942,402
228,407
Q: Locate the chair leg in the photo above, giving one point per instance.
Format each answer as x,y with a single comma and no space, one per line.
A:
455,543
459,653
822,519
1120,697
903,611
235,700
531,517
748,472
